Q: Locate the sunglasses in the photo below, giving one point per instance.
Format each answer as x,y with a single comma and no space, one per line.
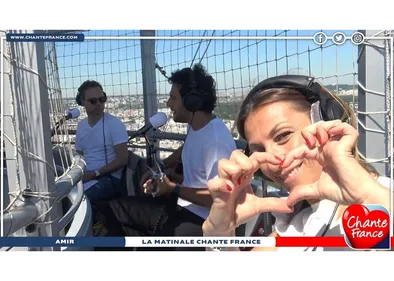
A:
100,99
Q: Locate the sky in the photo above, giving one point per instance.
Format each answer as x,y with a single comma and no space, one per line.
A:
237,65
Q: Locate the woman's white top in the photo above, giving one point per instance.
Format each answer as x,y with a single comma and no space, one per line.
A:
313,221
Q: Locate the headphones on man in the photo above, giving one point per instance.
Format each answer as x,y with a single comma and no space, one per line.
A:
78,98
194,99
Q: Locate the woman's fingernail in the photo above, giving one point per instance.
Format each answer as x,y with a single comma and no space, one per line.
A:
281,163
308,143
229,188
239,181
318,139
278,158
246,176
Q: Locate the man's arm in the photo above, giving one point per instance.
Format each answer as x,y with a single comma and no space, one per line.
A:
119,162
201,196
170,163
119,139
78,147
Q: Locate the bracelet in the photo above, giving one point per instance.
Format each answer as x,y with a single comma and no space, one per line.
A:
177,189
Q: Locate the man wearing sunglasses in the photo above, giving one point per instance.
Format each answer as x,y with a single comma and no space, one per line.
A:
102,139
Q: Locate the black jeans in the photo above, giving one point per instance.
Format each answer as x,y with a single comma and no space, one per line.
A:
150,216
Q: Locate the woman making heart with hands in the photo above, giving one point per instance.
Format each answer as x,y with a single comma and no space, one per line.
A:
313,160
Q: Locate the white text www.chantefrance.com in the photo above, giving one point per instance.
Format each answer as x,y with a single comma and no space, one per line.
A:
43,37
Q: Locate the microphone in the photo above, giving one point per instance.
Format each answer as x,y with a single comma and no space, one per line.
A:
72,114
69,114
155,121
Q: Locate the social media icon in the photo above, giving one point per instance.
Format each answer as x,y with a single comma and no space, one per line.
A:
320,38
367,227
357,38
338,38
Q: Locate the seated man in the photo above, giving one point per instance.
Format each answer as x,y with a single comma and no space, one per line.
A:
102,139
179,209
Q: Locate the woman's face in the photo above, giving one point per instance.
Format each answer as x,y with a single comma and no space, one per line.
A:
276,128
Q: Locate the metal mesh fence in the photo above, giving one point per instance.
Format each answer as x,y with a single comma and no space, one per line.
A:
22,139
240,63
62,149
37,185
115,64
237,59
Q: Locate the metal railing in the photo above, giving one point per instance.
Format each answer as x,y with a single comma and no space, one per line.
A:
33,210
36,183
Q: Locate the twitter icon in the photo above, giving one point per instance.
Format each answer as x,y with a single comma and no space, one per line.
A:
338,38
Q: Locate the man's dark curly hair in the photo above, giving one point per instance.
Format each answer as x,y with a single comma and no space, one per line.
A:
87,85
204,81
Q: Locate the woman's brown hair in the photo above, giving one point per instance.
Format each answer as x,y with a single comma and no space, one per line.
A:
299,103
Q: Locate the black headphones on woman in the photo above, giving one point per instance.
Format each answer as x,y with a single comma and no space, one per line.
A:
330,108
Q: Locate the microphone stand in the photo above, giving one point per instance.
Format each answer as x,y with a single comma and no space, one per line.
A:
149,150
57,125
151,156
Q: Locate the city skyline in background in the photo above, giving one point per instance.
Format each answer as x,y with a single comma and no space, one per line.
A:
236,64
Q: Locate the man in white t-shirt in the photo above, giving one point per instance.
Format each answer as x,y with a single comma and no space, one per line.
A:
102,139
180,208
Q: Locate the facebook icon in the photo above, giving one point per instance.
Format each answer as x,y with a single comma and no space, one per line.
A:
320,38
